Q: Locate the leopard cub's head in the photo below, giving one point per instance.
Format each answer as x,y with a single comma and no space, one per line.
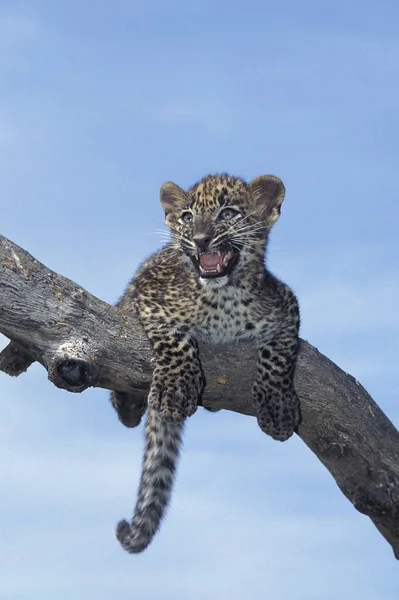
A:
222,222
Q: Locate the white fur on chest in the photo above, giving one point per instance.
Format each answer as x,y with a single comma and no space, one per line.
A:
213,283
224,332
227,322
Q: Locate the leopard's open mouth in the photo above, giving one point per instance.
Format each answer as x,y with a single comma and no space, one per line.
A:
216,264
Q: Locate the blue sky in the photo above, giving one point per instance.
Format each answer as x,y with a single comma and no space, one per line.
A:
100,103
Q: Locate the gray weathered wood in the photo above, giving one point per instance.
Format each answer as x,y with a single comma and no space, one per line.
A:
83,341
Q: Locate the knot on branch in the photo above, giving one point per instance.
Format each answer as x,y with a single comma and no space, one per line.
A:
71,368
375,499
372,500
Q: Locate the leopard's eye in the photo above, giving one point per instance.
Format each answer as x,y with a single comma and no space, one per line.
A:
186,217
227,213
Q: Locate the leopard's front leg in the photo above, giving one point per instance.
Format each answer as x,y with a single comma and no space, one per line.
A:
178,380
276,402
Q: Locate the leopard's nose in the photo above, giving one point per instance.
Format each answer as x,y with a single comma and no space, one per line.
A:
202,240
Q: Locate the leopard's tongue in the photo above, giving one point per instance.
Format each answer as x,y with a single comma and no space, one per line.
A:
211,261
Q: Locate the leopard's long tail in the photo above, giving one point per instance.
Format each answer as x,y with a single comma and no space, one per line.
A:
162,449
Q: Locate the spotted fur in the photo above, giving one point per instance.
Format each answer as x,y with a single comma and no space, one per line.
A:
210,284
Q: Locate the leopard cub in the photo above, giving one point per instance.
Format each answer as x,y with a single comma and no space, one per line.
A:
210,284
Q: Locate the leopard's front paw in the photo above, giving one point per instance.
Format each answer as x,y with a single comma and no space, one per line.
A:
175,396
278,411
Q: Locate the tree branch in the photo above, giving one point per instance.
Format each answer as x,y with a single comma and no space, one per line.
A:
83,342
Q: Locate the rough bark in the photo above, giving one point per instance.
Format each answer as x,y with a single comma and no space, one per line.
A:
83,341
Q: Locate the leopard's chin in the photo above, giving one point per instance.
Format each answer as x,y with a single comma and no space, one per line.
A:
215,265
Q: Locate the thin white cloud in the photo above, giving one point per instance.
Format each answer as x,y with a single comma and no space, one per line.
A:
196,109
343,292
16,28
338,308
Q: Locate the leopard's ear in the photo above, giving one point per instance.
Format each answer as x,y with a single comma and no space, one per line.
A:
267,194
172,197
